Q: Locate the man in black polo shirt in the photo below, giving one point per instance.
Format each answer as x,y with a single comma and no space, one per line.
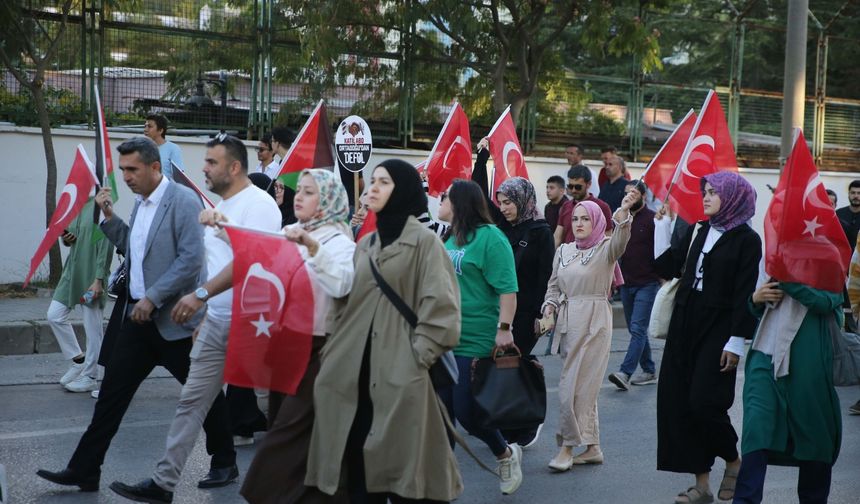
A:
638,292
612,192
849,216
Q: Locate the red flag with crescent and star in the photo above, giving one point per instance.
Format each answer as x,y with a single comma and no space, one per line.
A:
273,312
451,157
804,241
312,148
508,160
708,150
78,189
659,172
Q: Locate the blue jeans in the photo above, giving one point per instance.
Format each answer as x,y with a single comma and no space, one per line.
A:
460,402
637,301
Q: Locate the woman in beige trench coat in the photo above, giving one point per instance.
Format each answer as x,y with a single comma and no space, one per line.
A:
378,430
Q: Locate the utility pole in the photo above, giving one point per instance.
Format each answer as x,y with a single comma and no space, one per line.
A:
794,85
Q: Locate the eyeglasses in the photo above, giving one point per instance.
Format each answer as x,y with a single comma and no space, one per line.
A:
575,187
262,149
443,196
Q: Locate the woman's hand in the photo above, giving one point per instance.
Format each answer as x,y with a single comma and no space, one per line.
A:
548,311
768,293
298,235
483,144
728,361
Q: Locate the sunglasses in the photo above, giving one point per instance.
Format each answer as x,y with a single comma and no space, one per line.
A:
575,187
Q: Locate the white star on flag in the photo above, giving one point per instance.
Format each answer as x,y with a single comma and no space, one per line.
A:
262,326
811,226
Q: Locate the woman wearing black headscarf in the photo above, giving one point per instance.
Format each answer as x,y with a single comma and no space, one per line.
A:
377,416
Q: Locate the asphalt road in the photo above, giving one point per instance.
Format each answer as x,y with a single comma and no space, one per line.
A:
40,425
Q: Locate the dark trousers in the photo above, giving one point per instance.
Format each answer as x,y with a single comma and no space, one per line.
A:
460,402
139,348
523,328
245,416
813,482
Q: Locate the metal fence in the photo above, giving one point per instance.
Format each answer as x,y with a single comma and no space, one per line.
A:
221,66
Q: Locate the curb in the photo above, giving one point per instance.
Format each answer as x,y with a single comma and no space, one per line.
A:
36,337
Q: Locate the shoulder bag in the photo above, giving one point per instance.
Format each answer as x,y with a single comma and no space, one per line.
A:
664,301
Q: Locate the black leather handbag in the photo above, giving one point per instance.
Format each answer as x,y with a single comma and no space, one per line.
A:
509,391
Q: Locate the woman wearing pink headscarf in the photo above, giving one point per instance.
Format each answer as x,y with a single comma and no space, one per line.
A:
578,291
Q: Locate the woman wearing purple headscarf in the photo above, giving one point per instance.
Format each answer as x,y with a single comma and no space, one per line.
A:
578,292
717,262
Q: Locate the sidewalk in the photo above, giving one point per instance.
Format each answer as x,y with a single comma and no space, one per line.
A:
24,328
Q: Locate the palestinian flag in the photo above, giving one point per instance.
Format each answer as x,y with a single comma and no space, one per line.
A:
311,149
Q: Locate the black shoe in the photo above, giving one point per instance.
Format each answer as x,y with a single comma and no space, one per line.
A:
219,477
68,477
145,491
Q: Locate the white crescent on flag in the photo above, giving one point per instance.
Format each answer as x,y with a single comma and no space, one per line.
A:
457,141
258,271
72,191
810,194
511,146
694,156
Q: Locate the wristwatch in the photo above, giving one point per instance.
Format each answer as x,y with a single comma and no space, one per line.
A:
201,293
504,326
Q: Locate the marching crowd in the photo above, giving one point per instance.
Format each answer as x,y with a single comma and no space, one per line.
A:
489,274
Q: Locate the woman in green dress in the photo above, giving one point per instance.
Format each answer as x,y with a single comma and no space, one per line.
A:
791,410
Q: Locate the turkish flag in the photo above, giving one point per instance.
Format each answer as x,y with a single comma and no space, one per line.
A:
804,241
79,186
273,312
451,157
180,177
659,172
508,160
708,150
311,149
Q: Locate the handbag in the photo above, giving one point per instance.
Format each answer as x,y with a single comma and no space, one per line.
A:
846,356
443,372
509,391
118,280
664,301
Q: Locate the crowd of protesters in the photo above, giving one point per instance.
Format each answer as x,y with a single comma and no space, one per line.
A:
488,274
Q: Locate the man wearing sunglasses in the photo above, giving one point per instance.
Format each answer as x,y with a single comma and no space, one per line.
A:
578,185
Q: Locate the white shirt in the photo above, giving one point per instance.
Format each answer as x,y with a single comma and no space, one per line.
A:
270,170
139,233
251,207
331,271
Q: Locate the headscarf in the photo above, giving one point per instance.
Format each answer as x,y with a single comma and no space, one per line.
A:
263,181
598,233
737,199
333,204
521,192
407,198
598,223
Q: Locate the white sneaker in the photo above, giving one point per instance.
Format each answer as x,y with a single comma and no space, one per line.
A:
94,394
243,440
73,372
621,380
510,471
82,384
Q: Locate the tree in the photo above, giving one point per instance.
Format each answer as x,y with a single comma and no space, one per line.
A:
507,43
19,42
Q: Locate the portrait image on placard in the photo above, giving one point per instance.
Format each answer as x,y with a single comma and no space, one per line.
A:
353,143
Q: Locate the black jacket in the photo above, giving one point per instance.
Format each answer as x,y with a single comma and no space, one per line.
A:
532,243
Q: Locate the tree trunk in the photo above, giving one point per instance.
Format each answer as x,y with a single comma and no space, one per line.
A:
55,264
500,99
517,106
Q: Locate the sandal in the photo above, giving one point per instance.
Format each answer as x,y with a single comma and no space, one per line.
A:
695,495
727,486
